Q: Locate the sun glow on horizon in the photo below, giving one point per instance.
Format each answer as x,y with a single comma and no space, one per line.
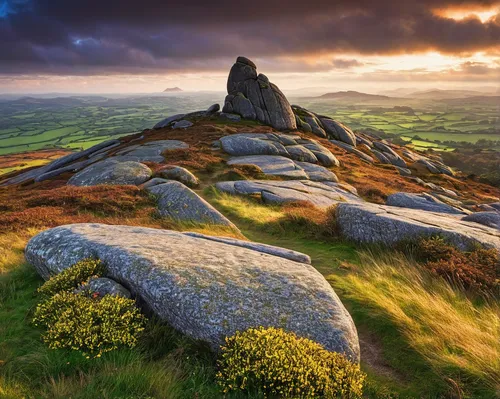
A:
458,15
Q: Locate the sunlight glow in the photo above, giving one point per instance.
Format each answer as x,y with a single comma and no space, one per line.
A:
458,15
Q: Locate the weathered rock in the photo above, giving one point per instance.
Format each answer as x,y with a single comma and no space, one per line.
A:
253,97
385,148
180,174
403,171
370,223
168,121
381,157
74,167
429,165
251,144
111,171
352,150
315,126
264,248
323,155
104,286
182,124
364,140
422,201
491,219
229,116
322,195
212,293
396,160
178,202
338,131
272,165
149,152
301,153
213,109
317,172
60,163
154,182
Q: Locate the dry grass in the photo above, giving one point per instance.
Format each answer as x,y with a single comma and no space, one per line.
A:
458,338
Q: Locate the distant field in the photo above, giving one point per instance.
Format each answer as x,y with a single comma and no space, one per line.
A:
430,121
79,122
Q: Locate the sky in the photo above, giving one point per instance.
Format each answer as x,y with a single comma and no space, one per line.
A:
130,46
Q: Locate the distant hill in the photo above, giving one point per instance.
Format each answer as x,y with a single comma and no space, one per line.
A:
444,94
172,90
477,100
353,96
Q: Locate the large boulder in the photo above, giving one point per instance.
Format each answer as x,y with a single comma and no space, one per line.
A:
178,202
206,289
111,171
254,97
370,223
422,201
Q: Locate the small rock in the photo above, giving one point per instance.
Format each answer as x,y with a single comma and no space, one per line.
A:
183,124
180,174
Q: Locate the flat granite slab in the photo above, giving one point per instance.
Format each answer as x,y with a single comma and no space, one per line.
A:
320,194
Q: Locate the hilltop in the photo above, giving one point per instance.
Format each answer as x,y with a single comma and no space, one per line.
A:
352,96
173,90
258,213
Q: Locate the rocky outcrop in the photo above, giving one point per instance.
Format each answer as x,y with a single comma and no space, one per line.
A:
422,201
111,171
206,289
320,194
60,165
178,202
254,97
352,150
284,145
370,223
284,167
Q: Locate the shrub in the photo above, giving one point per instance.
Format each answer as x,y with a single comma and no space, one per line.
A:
91,325
72,277
275,362
477,270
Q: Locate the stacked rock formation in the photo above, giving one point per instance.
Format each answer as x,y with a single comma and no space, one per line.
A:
254,97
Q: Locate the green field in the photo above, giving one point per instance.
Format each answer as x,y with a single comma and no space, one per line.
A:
78,122
33,124
441,126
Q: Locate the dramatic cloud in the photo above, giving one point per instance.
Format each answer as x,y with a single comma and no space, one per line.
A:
156,36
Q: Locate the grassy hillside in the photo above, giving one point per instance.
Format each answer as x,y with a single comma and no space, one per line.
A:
420,336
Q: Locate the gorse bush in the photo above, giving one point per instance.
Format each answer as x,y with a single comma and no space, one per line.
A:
91,325
72,277
277,363
477,270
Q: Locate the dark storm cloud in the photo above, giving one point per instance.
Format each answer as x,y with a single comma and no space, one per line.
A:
79,37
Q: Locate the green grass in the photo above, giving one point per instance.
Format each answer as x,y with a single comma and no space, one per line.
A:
432,340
